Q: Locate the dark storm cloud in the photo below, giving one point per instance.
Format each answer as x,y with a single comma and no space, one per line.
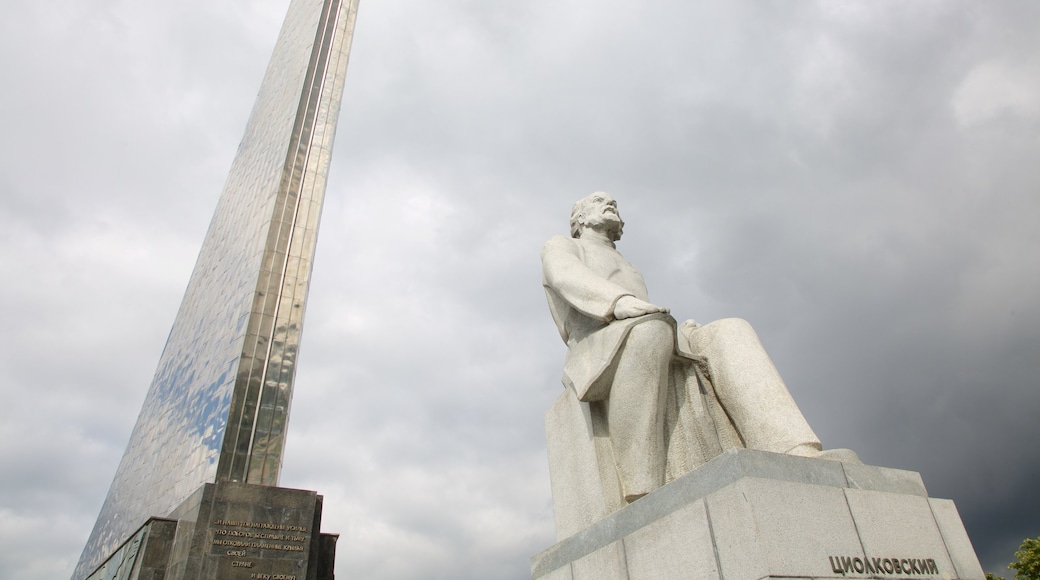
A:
856,179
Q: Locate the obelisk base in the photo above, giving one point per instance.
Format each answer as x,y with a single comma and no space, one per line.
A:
750,515
230,531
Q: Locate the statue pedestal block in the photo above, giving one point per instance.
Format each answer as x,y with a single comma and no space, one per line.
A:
749,515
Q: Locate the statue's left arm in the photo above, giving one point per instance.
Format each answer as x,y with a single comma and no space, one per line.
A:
568,277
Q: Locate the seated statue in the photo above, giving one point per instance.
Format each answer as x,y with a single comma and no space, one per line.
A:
667,397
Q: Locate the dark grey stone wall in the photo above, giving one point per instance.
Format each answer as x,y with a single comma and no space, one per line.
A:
230,531
245,532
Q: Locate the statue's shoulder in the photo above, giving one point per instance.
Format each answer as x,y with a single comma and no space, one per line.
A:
560,245
559,242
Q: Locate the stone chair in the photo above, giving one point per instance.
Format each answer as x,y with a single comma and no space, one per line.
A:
582,472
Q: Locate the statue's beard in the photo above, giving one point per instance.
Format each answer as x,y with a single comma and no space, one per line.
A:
609,223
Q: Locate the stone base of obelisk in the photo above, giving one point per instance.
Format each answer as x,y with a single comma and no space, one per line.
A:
749,515
230,531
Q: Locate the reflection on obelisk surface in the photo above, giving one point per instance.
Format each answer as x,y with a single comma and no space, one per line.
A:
218,405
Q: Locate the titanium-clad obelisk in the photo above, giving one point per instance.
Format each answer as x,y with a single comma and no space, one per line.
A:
217,408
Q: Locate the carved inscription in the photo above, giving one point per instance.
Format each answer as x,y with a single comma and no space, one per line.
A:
259,536
243,541
886,566
260,525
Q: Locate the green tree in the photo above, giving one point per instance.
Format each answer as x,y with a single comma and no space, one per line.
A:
1027,566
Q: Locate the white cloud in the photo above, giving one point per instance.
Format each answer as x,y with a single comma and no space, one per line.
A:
998,87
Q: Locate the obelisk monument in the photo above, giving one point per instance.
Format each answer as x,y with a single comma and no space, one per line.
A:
218,406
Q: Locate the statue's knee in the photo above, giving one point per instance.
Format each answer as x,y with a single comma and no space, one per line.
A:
734,324
652,335
733,333
735,329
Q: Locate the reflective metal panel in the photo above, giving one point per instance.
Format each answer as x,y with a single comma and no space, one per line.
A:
219,403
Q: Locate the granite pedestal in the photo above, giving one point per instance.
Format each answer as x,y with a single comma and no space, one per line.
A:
749,515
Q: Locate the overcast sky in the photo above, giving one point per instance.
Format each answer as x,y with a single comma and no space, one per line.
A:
858,179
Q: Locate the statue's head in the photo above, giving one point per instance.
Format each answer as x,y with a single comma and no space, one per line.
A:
598,209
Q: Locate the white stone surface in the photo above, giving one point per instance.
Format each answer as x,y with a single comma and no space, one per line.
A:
607,562
793,527
869,477
684,535
563,573
627,360
898,526
750,515
956,537
581,493
748,385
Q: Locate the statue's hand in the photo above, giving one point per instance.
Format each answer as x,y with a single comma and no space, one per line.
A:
630,307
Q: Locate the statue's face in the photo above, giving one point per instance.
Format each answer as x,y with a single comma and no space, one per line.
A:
600,209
